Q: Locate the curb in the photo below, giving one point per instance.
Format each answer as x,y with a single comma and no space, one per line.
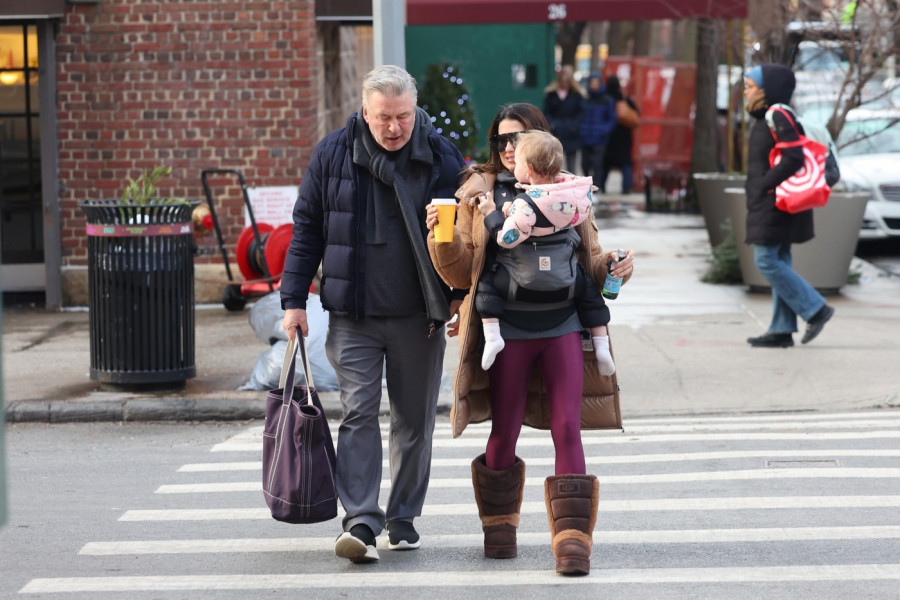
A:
155,409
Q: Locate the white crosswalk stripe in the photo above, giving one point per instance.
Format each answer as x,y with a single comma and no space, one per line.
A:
325,544
602,460
618,438
462,482
465,579
686,483
655,504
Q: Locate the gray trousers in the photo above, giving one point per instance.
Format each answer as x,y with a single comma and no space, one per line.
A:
360,352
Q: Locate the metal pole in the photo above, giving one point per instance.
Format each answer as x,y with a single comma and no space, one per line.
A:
389,24
3,509
49,166
729,111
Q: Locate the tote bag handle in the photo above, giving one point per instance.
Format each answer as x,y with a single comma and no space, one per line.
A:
286,381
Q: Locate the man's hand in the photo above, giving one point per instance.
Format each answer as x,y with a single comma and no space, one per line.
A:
294,318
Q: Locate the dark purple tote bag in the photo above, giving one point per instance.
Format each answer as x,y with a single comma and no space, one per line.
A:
298,454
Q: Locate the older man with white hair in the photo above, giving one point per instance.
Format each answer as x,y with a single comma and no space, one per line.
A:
361,214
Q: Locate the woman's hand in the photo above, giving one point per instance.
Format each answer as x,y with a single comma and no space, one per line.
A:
475,185
624,267
431,216
485,203
453,323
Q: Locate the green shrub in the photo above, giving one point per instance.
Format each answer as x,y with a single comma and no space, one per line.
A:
142,191
726,268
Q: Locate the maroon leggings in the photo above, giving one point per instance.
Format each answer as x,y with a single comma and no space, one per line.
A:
561,363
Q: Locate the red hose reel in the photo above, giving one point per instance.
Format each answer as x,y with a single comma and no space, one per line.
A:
254,258
261,248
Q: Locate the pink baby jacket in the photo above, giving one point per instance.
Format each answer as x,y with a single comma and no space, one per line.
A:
564,203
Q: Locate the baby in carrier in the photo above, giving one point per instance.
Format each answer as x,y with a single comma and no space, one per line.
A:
537,285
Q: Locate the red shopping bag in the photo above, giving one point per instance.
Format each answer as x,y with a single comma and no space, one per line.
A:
806,188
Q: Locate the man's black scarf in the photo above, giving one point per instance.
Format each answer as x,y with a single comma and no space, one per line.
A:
406,171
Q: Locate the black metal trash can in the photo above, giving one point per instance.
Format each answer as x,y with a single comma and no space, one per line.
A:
141,293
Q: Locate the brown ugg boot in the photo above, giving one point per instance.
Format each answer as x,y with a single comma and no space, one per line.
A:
498,495
572,502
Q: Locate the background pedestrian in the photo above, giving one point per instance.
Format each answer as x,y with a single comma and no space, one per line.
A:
563,100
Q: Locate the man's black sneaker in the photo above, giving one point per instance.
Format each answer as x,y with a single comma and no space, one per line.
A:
402,536
357,545
772,340
817,323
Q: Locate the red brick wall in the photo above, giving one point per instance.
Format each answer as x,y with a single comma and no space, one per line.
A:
194,84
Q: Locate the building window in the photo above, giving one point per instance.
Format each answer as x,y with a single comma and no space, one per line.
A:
20,167
524,76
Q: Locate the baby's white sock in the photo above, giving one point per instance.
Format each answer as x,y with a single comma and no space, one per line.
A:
493,344
604,359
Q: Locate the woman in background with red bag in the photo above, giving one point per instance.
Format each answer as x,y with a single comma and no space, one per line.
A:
770,230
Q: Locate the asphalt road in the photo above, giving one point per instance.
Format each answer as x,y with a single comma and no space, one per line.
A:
785,506
885,254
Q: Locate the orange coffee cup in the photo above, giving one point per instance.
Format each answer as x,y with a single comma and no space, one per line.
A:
443,229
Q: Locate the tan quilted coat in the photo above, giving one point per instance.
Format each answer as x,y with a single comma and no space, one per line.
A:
460,263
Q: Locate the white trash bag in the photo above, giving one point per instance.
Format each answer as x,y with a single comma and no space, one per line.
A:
265,319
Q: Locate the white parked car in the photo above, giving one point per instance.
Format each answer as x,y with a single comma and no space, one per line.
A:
869,156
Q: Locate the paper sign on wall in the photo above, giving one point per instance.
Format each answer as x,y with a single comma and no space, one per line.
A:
271,205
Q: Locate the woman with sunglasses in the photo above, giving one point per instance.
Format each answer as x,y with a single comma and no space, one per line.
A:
543,378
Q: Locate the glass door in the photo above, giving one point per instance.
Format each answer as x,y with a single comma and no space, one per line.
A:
21,223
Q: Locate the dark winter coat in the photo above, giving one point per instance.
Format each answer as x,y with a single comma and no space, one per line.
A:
329,221
598,118
621,141
767,225
564,117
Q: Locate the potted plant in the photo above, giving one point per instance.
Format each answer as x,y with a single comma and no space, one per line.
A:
710,190
823,261
141,285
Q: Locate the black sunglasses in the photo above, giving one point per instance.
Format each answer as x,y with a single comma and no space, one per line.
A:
499,142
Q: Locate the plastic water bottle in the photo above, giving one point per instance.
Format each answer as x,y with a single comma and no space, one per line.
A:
612,284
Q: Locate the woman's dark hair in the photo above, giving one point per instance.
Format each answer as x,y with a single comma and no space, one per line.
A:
614,87
529,115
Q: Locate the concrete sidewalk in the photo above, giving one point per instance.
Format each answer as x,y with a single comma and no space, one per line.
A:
679,345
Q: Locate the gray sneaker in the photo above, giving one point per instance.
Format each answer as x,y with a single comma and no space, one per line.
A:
357,545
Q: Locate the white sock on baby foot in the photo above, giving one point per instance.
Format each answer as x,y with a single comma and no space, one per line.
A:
493,344
604,359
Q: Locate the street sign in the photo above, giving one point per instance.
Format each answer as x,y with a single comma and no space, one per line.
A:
272,205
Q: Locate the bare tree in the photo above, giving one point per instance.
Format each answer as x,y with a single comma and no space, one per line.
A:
596,35
621,35
871,44
868,36
642,38
568,36
704,153
684,46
